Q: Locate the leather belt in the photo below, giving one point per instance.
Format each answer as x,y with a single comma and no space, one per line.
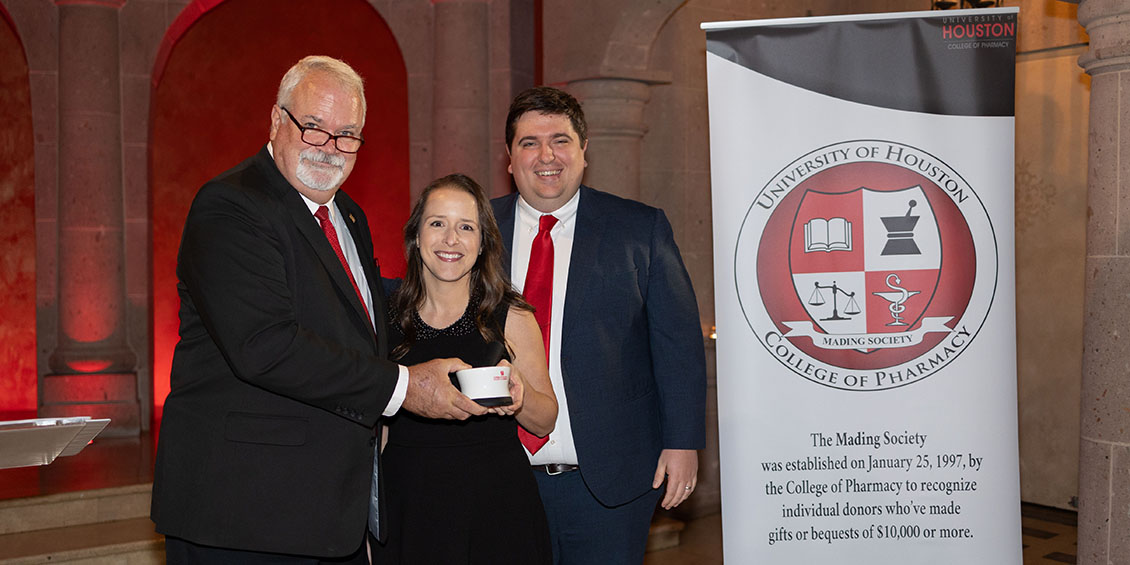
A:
554,468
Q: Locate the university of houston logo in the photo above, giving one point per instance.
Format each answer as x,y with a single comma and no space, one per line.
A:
866,265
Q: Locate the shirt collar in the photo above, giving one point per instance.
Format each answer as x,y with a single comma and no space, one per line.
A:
565,214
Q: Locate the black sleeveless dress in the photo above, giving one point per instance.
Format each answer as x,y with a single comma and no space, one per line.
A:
459,492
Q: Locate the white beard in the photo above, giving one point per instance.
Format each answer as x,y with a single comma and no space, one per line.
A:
320,179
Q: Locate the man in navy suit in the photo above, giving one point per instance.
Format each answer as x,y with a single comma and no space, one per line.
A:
625,347
266,452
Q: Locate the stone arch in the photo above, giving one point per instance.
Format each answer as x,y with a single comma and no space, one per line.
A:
629,45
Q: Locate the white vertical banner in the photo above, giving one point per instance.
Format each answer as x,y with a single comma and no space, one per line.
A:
862,181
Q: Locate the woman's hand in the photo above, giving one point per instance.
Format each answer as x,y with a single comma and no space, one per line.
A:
517,388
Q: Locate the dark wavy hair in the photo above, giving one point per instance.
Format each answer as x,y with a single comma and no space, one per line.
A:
546,100
490,283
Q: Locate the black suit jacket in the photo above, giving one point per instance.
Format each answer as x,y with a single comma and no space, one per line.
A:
632,356
266,442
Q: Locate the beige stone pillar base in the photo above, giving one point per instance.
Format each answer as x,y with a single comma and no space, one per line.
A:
98,395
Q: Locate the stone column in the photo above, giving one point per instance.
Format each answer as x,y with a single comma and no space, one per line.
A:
1104,450
614,113
461,120
93,367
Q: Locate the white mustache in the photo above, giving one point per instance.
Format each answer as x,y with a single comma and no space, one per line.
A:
312,154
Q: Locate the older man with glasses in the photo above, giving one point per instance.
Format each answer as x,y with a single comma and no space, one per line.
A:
267,444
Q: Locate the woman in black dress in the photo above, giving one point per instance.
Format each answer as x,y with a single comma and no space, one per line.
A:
462,492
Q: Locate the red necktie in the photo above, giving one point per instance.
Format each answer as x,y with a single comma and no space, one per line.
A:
538,291
323,215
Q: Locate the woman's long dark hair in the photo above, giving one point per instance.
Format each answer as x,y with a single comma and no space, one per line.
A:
489,281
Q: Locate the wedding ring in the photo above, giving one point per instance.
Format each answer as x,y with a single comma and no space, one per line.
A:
688,487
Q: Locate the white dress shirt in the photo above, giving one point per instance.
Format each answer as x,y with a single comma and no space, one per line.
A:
560,448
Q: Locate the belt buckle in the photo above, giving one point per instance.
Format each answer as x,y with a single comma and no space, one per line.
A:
553,469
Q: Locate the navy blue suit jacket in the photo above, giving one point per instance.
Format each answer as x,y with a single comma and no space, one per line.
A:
632,356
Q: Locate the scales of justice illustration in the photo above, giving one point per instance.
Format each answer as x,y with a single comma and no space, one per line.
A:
834,234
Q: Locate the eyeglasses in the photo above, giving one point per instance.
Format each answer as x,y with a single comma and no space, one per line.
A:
318,137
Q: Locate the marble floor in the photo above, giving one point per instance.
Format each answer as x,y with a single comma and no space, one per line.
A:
699,544
1049,535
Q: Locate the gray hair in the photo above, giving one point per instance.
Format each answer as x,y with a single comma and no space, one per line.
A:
336,68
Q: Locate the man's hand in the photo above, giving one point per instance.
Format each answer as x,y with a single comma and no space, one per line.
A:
431,394
680,466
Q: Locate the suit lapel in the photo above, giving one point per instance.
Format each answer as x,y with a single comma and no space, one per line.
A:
504,215
308,226
588,233
359,231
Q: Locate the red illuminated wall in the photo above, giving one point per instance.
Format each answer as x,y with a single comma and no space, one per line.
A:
17,229
214,88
